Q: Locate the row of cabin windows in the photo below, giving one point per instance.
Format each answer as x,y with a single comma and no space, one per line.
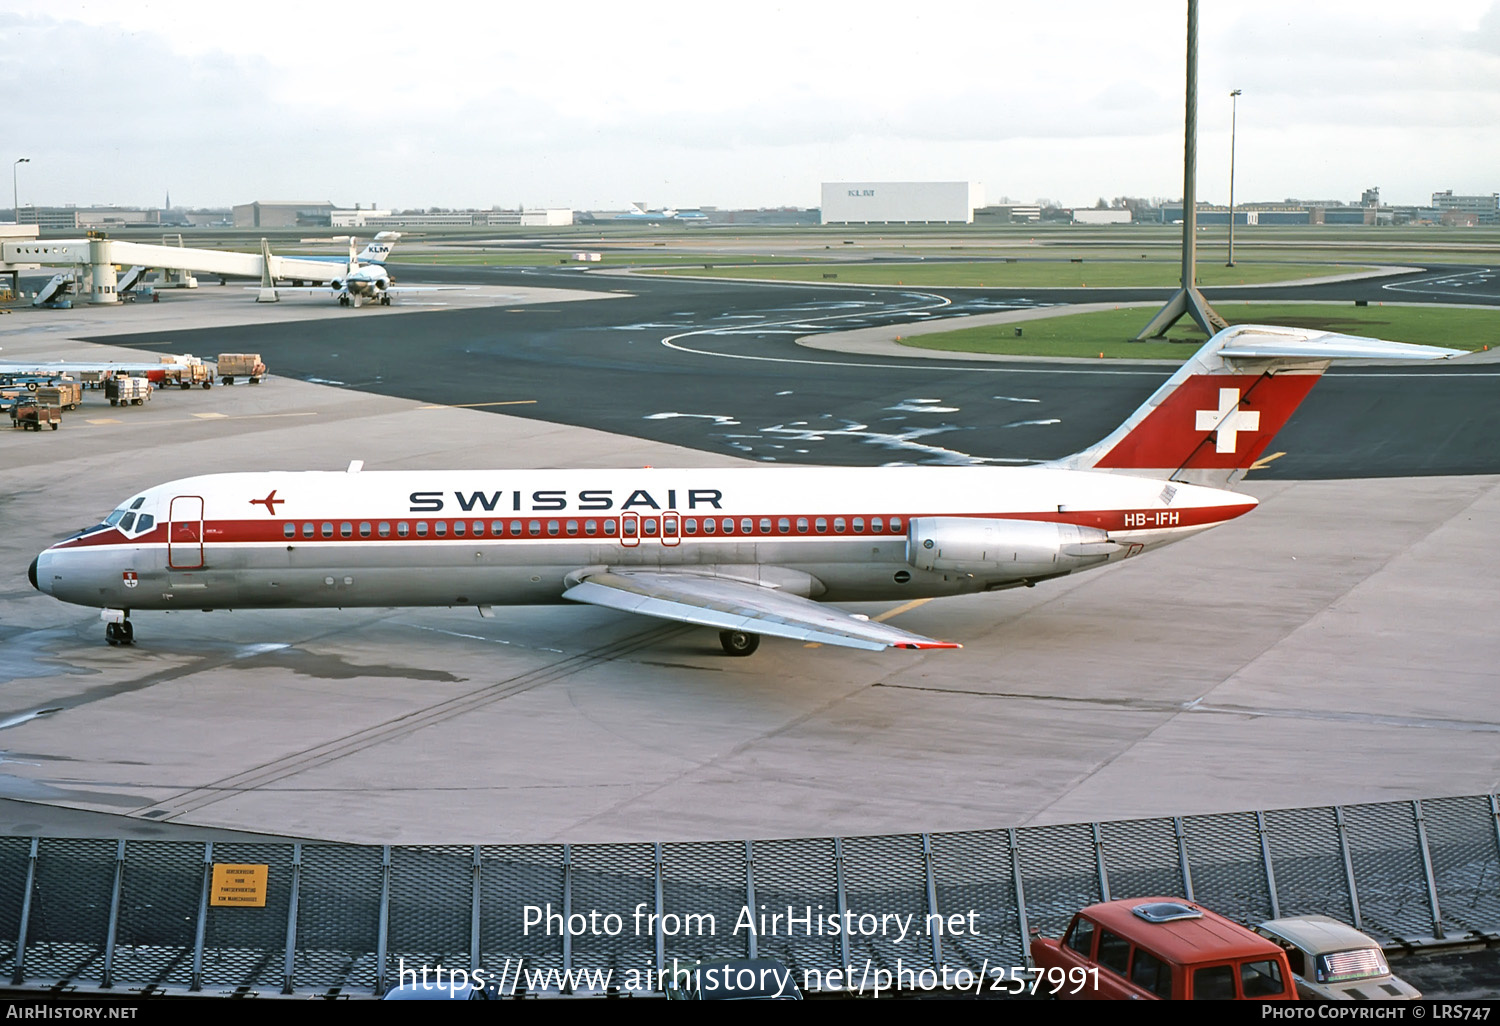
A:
649,526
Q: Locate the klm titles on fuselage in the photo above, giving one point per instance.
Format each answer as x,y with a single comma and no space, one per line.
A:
558,500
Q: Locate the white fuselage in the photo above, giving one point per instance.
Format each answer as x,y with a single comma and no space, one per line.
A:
441,538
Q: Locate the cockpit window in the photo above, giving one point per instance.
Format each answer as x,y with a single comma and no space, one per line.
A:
127,521
137,503
114,518
144,523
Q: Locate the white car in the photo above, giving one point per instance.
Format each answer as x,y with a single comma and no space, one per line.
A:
1333,961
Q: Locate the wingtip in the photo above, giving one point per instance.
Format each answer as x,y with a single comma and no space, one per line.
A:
929,644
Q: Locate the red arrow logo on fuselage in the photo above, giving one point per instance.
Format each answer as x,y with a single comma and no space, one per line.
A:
270,502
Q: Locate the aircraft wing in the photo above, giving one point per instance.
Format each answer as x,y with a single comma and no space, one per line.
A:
733,605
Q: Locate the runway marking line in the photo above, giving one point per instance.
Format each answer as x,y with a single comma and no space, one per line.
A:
465,406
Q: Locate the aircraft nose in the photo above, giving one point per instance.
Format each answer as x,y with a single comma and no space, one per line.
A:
31,574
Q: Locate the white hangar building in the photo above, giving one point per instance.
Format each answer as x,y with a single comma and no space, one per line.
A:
900,202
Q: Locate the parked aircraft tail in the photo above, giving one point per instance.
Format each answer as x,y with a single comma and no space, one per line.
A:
379,248
1213,419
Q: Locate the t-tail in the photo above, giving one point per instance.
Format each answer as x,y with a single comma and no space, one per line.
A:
378,249
1213,419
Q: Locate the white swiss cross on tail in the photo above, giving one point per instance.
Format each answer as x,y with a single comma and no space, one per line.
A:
1228,420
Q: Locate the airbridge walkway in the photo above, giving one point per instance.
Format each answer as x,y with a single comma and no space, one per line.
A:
96,263
127,915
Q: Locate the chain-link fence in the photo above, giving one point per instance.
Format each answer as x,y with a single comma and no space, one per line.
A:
352,919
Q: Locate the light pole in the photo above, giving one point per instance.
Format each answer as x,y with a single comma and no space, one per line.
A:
15,194
1234,110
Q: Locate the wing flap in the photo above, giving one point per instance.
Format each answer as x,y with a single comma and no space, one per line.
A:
737,605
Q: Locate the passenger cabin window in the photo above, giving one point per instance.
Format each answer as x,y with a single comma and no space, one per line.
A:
877,526
515,529
609,527
289,531
572,527
1150,973
534,528
708,525
384,530
1081,937
895,523
440,528
648,526
421,529
1214,983
690,525
591,527
327,530
403,529
630,528
859,525
821,525
458,528
308,529
346,530
801,525
364,529
1114,952
552,528
1260,979
479,528
838,525
497,528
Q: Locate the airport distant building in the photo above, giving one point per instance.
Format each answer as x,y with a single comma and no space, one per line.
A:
283,214
1113,215
1467,209
67,219
900,202
1009,213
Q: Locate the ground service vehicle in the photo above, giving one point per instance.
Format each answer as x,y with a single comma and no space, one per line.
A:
241,365
28,413
1167,948
1332,961
124,390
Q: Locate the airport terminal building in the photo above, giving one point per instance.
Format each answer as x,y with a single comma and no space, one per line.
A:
900,202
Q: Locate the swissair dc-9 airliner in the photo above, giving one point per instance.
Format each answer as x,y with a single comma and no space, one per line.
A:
749,552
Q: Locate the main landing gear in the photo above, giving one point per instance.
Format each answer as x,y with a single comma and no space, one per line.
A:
739,643
118,632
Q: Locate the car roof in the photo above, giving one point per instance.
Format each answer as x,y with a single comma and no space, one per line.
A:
1208,937
1319,934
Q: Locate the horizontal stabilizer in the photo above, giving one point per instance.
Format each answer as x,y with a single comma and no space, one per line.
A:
736,605
1213,419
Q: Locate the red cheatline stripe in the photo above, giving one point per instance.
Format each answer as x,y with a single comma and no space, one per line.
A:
222,532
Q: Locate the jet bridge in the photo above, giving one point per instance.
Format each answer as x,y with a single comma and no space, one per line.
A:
94,263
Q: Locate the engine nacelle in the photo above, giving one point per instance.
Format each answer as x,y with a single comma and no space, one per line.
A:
1004,549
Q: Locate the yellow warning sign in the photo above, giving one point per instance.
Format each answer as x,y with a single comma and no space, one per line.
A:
244,886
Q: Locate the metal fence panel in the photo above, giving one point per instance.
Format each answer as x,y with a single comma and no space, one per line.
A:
158,924
1465,853
15,859
1388,872
791,878
703,880
70,901
1059,870
246,947
431,912
1309,864
975,877
1141,858
885,889
516,881
611,880
338,917
1229,874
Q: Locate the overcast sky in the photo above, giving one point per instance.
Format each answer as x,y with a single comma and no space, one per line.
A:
592,105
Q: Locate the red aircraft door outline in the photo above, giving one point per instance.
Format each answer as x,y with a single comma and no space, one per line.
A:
185,533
